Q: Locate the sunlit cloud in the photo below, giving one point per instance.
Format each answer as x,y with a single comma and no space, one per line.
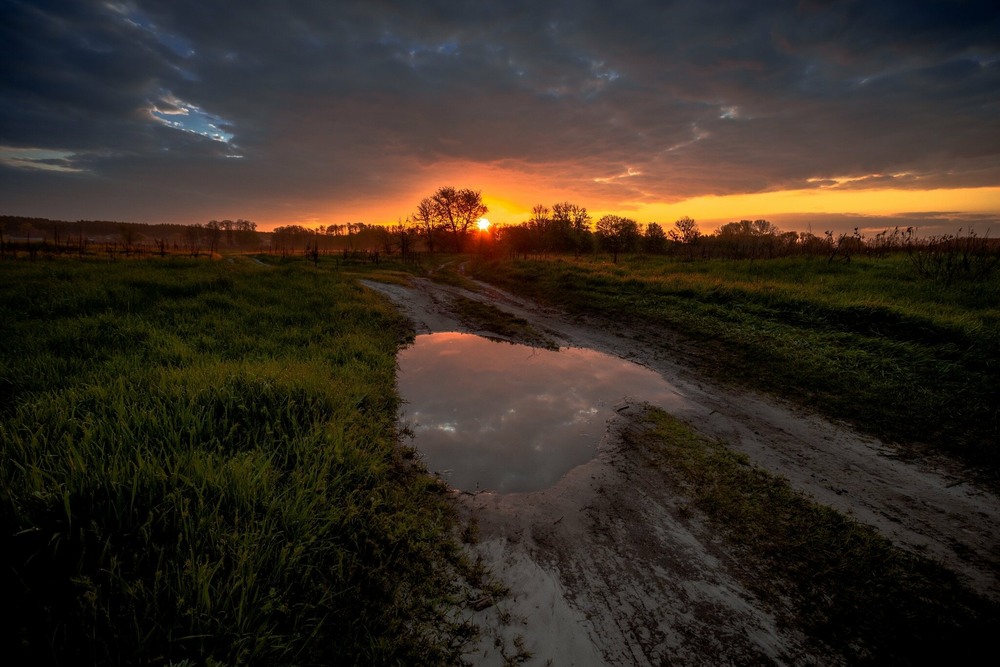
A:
697,134
628,173
187,117
729,112
41,159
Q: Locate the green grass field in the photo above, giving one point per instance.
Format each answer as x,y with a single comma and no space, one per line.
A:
200,462
906,358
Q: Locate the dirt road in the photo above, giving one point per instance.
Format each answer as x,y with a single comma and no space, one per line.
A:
607,567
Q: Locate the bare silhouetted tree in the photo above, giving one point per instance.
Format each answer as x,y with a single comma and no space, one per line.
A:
457,211
427,222
685,231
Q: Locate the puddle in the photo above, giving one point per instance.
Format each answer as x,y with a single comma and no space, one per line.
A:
495,416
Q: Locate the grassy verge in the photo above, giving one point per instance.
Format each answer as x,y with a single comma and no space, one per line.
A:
487,317
450,270
908,359
840,581
200,462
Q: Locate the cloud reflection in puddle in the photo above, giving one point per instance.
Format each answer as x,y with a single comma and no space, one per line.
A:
512,418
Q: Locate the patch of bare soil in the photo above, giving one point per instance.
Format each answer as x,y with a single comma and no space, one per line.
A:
610,567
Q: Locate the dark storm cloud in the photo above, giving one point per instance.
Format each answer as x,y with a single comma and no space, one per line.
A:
266,102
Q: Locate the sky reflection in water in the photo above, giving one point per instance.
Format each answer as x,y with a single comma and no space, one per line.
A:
511,418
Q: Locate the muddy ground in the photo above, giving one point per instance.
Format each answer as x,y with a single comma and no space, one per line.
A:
610,567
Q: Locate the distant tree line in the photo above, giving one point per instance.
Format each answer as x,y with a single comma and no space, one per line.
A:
447,221
547,231
41,236
291,239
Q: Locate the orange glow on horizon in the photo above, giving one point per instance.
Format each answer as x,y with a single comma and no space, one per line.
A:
510,200
860,202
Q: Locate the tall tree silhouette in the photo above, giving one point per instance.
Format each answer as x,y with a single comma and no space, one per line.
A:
457,211
617,234
427,221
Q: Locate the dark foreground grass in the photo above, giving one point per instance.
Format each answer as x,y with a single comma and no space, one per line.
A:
200,462
906,358
840,581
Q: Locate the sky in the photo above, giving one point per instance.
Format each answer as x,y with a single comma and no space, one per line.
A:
812,114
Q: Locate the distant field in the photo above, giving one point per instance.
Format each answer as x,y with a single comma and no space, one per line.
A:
199,461
905,357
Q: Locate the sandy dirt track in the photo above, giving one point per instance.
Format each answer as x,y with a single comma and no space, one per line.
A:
607,567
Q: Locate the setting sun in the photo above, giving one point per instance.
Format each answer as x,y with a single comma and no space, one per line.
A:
484,224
